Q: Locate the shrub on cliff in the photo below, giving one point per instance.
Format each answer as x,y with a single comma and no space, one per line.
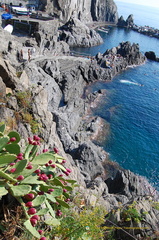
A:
35,182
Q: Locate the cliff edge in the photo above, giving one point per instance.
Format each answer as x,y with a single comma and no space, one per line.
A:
84,10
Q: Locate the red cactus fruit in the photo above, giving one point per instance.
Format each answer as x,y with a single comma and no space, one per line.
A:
53,165
20,157
20,154
33,222
58,213
43,238
32,211
68,170
37,171
45,150
63,161
67,173
67,200
29,167
41,193
56,150
51,190
37,217
40,231
29,204
12,164
13,170
12,139
20,177
36,138
30,196
49,176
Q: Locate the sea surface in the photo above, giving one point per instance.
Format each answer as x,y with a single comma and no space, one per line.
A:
131,103
143,15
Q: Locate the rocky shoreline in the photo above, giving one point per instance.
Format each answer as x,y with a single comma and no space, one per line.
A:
56,83
145,30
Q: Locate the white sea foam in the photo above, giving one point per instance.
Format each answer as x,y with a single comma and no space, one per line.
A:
129,82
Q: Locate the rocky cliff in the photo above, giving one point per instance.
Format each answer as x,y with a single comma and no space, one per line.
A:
129,23
76,33
85,10
59,110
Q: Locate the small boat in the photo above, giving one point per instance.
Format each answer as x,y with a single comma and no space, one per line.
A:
20,10
102,29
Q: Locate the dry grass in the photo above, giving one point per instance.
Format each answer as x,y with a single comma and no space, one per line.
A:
10,223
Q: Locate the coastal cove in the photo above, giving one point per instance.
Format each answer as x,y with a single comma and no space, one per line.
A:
131,107
49,96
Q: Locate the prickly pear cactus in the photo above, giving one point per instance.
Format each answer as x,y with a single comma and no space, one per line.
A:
36,180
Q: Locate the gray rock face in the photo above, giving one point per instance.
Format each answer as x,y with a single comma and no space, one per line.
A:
2,89
131,53
58,84
76,33
140,218
121,22
128,184
122,56
64,78
85,10
8,74
129,23
104,10
152,56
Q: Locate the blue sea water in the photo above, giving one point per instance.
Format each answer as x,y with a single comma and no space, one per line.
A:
131,104
143,15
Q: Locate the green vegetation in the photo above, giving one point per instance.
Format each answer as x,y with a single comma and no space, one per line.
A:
84,224
34,183
24,100
18,74
155,205
131,214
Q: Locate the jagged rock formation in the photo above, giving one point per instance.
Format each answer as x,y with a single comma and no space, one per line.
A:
138,219
117,59
126,183
152,56
129,23
121,22
57,105
85,10
76,33
56,85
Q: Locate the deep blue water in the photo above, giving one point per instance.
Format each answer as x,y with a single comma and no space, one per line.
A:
117,35
131,109
133,113
143,15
